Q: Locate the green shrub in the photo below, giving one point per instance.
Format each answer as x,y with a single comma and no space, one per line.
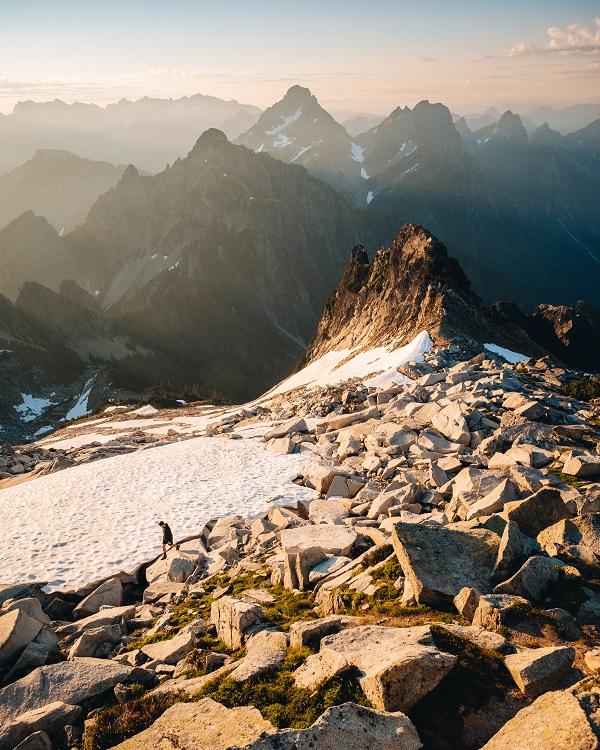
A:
289,607
279,701
117,723
584,389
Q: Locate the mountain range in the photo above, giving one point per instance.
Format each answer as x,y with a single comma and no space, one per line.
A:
214,272
149,133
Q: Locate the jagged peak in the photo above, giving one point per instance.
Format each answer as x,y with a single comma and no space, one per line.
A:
398,114
510,128
130,175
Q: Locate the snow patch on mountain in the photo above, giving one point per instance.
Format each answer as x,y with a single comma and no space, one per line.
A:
357,153
32,407
509,356
286,121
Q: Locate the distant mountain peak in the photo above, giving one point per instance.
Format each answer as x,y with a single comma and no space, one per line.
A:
299,93
130,175
510,128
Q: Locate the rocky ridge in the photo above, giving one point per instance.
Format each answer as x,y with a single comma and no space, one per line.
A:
462,506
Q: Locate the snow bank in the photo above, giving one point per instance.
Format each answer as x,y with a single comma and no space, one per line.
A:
92,521
377,364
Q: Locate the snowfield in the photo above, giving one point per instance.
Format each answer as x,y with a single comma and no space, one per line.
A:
89,522
86,523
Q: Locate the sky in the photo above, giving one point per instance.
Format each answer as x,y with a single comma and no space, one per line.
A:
354,56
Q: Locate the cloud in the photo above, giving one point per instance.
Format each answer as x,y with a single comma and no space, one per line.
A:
576,39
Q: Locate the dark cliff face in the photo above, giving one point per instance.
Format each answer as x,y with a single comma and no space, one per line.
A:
411,286
571,333
220,264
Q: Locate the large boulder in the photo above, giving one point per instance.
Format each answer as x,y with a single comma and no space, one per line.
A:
232,617
533,580
495,501
494,610
286,428
439,562
31,606
515,548
259,660
35,741
306,546
582,531
310,632
108,594
174,649
346,727
561,720
17,630
540,510
319,476
47,719
70,682
582,464
206,725
452,423
179,564
537,670
397,666
22,591
91,640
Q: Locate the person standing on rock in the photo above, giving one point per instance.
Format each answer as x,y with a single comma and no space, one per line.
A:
167,539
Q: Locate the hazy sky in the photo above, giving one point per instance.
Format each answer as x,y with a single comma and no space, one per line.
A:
368,56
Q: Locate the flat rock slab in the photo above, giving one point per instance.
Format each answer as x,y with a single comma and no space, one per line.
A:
306,546
439,562
70,682
538,670
172,650
483,638
561,720
206,725
111,616
35,741
398,666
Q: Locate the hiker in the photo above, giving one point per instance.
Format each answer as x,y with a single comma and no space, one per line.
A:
167,539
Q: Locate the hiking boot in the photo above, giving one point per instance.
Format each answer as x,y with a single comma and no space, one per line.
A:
176,546
164,557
